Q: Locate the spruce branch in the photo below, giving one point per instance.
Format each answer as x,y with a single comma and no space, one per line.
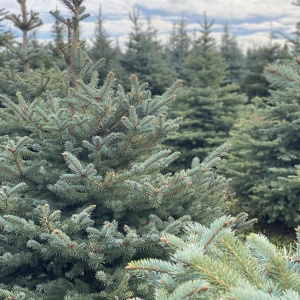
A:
74,164
249,267
190,289
6,193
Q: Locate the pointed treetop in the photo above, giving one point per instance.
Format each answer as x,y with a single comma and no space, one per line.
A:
26,21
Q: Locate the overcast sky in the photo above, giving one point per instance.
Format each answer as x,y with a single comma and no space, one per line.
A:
249,20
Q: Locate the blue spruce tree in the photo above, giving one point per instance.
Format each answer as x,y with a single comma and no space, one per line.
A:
85,191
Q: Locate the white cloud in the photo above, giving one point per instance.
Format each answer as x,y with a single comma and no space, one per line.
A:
238,13
266,26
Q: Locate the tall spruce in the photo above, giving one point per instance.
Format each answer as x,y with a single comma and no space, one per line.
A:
265,156
85,192
208,107
233,56
254,83
102,46
294,40
15,74
144,56
178,48
6,36
58,32
26,22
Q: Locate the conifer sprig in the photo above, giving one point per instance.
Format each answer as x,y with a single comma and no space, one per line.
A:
231,268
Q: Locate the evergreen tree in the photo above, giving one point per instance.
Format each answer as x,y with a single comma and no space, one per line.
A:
86,191
264,159
208,108
2,32
116,66
25,22
212,263
254,83
233,56
15,74
144,56
5,35
58,31
102,47
178,48
294,40
204,65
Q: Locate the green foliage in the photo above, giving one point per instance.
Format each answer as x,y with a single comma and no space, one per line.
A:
178,48
102,48
144,57
254,83
209,109
85,191
204,65
5,35
264,159
233,57
25,22
213,263
15,74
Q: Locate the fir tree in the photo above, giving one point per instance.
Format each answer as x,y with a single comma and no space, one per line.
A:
208,108
116,65
5,35
233,56
144,56
15,74
102,47
254,83
265,150
32,83
204,65
178,48
58,31
85,192
25,22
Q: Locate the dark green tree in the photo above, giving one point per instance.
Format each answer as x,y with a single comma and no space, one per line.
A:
204,65
58,32
254,83
209,109
15,74
294,38
265,155
102,46
178,48
233,56
144,56
116,65
85,192
36,80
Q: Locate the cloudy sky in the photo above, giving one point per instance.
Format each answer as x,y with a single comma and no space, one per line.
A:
249,20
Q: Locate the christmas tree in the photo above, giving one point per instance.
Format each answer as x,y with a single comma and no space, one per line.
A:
22,69
209,108
85,192
265,150
144,56
233,56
